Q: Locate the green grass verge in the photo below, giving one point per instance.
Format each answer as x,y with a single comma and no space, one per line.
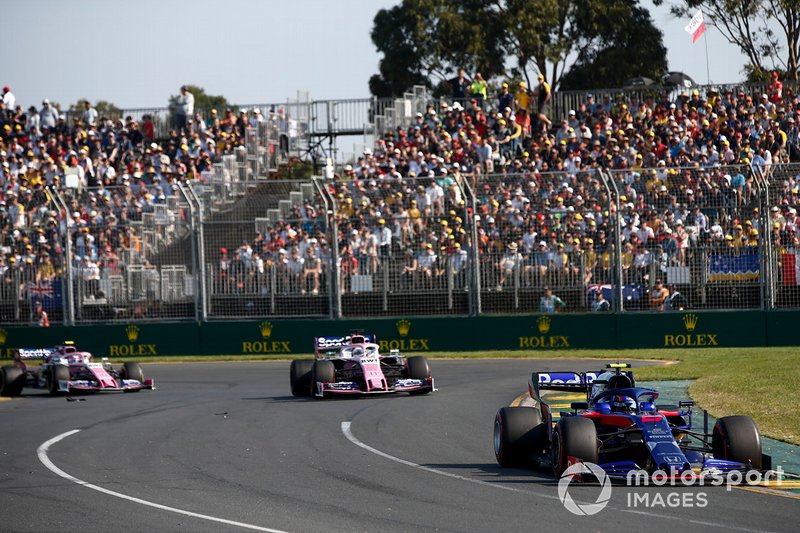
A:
759,382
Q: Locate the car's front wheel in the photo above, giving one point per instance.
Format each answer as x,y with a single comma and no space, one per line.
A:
57,373
418,368
574,437
300,377
133,371
322,372
12,380
736,438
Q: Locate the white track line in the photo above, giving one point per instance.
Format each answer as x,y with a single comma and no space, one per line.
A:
42,453
352,438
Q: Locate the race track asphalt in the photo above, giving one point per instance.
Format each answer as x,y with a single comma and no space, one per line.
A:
227,441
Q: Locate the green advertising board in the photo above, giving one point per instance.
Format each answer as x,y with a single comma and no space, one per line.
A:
534,332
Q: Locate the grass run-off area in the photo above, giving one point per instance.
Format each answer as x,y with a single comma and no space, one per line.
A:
763,383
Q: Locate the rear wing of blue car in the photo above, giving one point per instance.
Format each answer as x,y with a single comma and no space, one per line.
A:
561,381
331,345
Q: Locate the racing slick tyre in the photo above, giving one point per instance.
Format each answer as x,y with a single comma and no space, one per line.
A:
321,372
12,380
55,374
300,377
574,437
518,435
418,369
132,371
736,438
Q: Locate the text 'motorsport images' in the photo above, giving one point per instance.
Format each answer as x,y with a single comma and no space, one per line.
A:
353,365
64,368
621,429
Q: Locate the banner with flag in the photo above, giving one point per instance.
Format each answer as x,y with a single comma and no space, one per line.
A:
696,27
47,292
744,267
790,267
630,293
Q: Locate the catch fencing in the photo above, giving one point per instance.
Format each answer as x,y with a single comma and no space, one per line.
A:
230,245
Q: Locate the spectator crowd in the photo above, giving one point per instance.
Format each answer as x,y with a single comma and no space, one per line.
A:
682,162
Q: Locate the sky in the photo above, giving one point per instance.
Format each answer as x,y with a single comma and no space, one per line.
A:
137,54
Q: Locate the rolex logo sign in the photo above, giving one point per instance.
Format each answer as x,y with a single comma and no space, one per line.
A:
691,338
132,332
133,348
543,324
265,346
403,327
544,340
404,343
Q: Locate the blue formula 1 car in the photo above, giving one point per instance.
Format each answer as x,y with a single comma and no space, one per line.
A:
621,428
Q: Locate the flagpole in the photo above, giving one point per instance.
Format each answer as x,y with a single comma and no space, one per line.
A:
708,71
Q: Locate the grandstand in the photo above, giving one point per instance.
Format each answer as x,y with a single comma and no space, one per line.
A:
451,208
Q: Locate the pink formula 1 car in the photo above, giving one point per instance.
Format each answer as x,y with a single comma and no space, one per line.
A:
66,369
352,365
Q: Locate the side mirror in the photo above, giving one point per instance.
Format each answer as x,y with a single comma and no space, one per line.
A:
578,406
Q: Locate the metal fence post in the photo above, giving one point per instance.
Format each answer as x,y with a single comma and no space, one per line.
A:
335,293
67,283
474,268
609,184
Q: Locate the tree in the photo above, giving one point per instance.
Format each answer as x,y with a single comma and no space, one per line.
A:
202,101
422,41
749,25
609,62
425,41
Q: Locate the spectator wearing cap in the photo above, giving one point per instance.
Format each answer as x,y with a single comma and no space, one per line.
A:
550,303
48,116
508,264
543,96
600,304
384,237
10,101
426,262
504,98
479,89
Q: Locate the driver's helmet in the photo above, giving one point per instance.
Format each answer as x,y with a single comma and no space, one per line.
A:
75,358
358,351
623,404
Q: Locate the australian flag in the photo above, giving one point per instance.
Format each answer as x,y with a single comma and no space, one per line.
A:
743,267
47,292
630,293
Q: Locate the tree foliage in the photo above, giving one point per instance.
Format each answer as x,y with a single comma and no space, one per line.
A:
201,99
104,109
766,31
426,41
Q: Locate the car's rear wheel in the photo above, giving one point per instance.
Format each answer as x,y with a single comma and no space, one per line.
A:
418,368
300,377
322,372
736,438
574,437
12,380
518,435
57,373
